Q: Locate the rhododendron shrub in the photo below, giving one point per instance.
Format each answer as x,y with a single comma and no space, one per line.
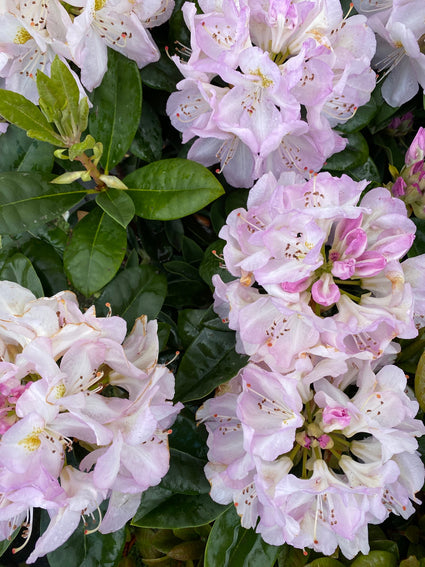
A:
212,297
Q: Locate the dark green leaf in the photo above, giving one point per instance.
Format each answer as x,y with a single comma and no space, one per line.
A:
29,200
95,253
187,293
183,269
325,562
172,188
355,154
20,270
231,545
187,436
376,559
147,143
18,110
134,292
361,118
91,550
162,75
212,264
117,204
189,324
4,545
47,264
420,381
176,510
117,104
20,153
418,246
186,474
208,362
367,170
191,251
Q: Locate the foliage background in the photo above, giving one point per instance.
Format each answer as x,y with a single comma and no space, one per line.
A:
149,250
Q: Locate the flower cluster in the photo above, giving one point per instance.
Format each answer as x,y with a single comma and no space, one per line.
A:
300,439
311,460
400,51
265,83
33,33
409,184
68,378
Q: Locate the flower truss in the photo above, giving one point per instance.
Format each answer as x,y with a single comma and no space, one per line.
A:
266,82
311,460
318,271
67,377
400,53
32,33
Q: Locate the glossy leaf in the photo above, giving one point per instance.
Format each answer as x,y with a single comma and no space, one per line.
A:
95,252
189,324
20,153
18,110
47,263
355,154
19,269
187,436
208,362
325,562
117,104
186,474
69,87
420,382
90,550
162,75
231,545
117,204
172,188
147,143
376,559
169,511
134,292
28,200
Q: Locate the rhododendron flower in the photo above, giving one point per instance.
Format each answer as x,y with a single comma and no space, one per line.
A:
345,461
328,266
57,364
289,72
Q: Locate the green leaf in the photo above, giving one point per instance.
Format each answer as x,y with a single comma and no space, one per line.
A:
325,562
172,188
20,270
52,98
187,436
191,251
231,545
162,75
4,545
117,204
418,246
117,104
361,118
355,154
189,324
95,253
208,362
91,550
367,170
185,475
420,382
212,264
147,143
20,153
18,110
160,508
376,559
28,200
134,292
183,269
47,264
69,87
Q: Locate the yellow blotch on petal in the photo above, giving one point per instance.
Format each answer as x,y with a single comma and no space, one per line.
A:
98,5
32,441
22,36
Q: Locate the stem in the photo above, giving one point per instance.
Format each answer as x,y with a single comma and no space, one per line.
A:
92,169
